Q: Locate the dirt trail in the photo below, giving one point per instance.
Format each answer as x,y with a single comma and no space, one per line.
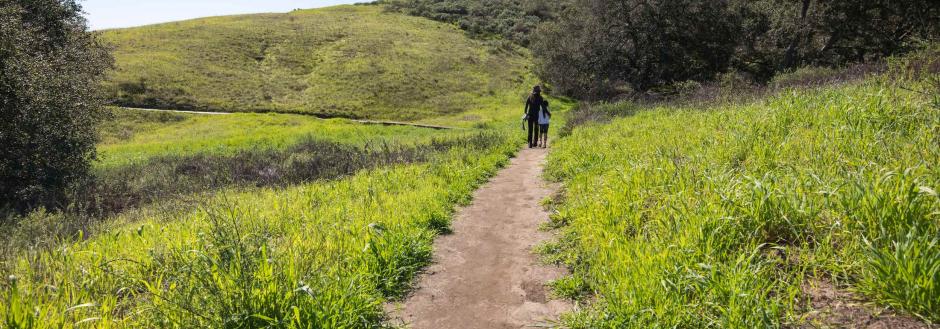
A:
485,274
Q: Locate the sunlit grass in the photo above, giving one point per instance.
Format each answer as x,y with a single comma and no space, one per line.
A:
323,254
690,217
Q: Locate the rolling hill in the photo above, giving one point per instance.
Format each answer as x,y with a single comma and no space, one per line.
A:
345,61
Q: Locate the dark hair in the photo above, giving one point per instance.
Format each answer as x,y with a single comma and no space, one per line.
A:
536,96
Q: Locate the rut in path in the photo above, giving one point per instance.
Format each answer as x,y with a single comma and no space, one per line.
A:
485,275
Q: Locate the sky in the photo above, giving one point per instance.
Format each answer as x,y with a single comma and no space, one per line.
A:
106,14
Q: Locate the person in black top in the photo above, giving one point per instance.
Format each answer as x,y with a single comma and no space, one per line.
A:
533,104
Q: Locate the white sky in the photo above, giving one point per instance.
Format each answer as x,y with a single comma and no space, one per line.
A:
106,14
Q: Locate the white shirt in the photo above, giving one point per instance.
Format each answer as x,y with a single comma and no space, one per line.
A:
543,117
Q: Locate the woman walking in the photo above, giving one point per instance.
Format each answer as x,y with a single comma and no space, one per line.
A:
533,106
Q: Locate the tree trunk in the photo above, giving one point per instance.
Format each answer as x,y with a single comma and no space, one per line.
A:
789,57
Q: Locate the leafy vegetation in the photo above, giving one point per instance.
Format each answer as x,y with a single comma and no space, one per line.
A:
346,61
721,216
49,107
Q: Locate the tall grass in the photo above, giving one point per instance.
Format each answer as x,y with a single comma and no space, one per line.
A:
688,217
324,254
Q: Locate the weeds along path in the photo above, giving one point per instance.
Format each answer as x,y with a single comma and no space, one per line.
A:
485,274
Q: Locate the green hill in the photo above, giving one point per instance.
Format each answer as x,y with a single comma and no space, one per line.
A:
345,61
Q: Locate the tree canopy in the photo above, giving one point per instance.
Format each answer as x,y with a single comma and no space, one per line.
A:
50,66
599,48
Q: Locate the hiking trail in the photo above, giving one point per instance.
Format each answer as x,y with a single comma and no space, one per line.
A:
485,274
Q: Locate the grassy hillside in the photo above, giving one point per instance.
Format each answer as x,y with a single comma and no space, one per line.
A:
732,216
346,61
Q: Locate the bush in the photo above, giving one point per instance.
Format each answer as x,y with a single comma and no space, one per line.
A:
50,67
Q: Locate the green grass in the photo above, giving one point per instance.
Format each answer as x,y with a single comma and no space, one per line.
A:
345,61
325,254
136,137
690,217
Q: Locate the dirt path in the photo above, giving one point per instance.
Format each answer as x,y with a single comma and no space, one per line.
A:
365,122
485,274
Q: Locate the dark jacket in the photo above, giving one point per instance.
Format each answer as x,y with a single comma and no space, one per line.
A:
532,106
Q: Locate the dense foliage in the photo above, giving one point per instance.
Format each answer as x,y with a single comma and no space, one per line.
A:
49,71
599,47
512,19
602,48
781,35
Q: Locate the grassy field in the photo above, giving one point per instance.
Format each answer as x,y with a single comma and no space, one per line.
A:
345,61
728,216
322,254
138,136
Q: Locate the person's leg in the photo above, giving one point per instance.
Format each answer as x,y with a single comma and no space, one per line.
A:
544,131
533,133
537,133
539,143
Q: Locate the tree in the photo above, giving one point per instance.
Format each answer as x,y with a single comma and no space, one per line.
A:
599,48
780,35
50,69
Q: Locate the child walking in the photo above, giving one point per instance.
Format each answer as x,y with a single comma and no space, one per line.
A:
544,117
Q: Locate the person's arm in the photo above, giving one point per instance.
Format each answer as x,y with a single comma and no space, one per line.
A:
525,114
547,112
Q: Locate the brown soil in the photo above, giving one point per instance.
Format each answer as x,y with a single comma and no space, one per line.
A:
837,308
485,274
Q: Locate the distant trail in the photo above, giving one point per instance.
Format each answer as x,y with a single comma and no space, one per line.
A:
174,111
485,274
367,122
